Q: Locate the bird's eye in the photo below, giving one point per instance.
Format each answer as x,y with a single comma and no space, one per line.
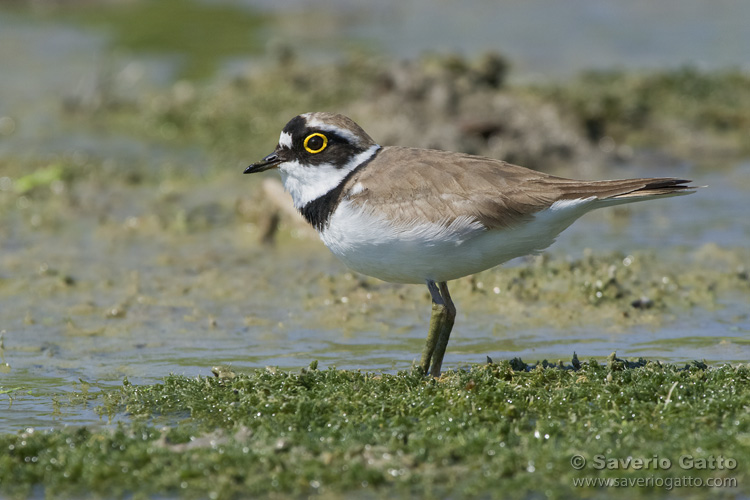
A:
315,143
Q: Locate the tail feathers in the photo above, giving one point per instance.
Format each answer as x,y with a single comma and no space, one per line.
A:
659,187
627,190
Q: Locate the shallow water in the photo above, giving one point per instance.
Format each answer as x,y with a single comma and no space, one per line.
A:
633,35
98,291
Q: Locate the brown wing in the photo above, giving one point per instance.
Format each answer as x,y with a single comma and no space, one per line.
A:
439,186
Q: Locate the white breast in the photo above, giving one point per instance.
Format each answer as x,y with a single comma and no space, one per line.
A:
417,252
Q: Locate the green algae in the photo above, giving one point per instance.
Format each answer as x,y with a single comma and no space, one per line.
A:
498,430
43,177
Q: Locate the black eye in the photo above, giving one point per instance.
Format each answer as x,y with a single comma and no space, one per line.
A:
315,143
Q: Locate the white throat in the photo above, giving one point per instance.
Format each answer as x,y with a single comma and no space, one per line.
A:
307,183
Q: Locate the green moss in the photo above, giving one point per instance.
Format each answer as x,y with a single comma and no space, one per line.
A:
340,432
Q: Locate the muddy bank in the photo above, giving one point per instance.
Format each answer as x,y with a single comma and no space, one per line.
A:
462,104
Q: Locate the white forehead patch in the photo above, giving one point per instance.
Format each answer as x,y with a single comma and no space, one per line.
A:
285,140
315,123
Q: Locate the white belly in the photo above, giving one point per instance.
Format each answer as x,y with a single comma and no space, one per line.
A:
416,253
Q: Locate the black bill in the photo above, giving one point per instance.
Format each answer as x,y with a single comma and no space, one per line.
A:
266,163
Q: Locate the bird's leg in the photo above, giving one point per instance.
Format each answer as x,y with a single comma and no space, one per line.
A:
441,324
436,320
449,316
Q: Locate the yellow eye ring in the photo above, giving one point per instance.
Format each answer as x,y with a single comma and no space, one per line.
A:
310,149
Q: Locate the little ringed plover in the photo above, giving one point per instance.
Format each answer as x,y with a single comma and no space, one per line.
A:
409,215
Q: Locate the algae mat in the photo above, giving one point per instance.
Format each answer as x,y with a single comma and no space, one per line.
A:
506,430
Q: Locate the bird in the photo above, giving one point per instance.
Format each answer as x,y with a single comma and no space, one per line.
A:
427,216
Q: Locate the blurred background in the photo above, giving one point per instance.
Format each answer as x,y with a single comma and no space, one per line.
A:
132,246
